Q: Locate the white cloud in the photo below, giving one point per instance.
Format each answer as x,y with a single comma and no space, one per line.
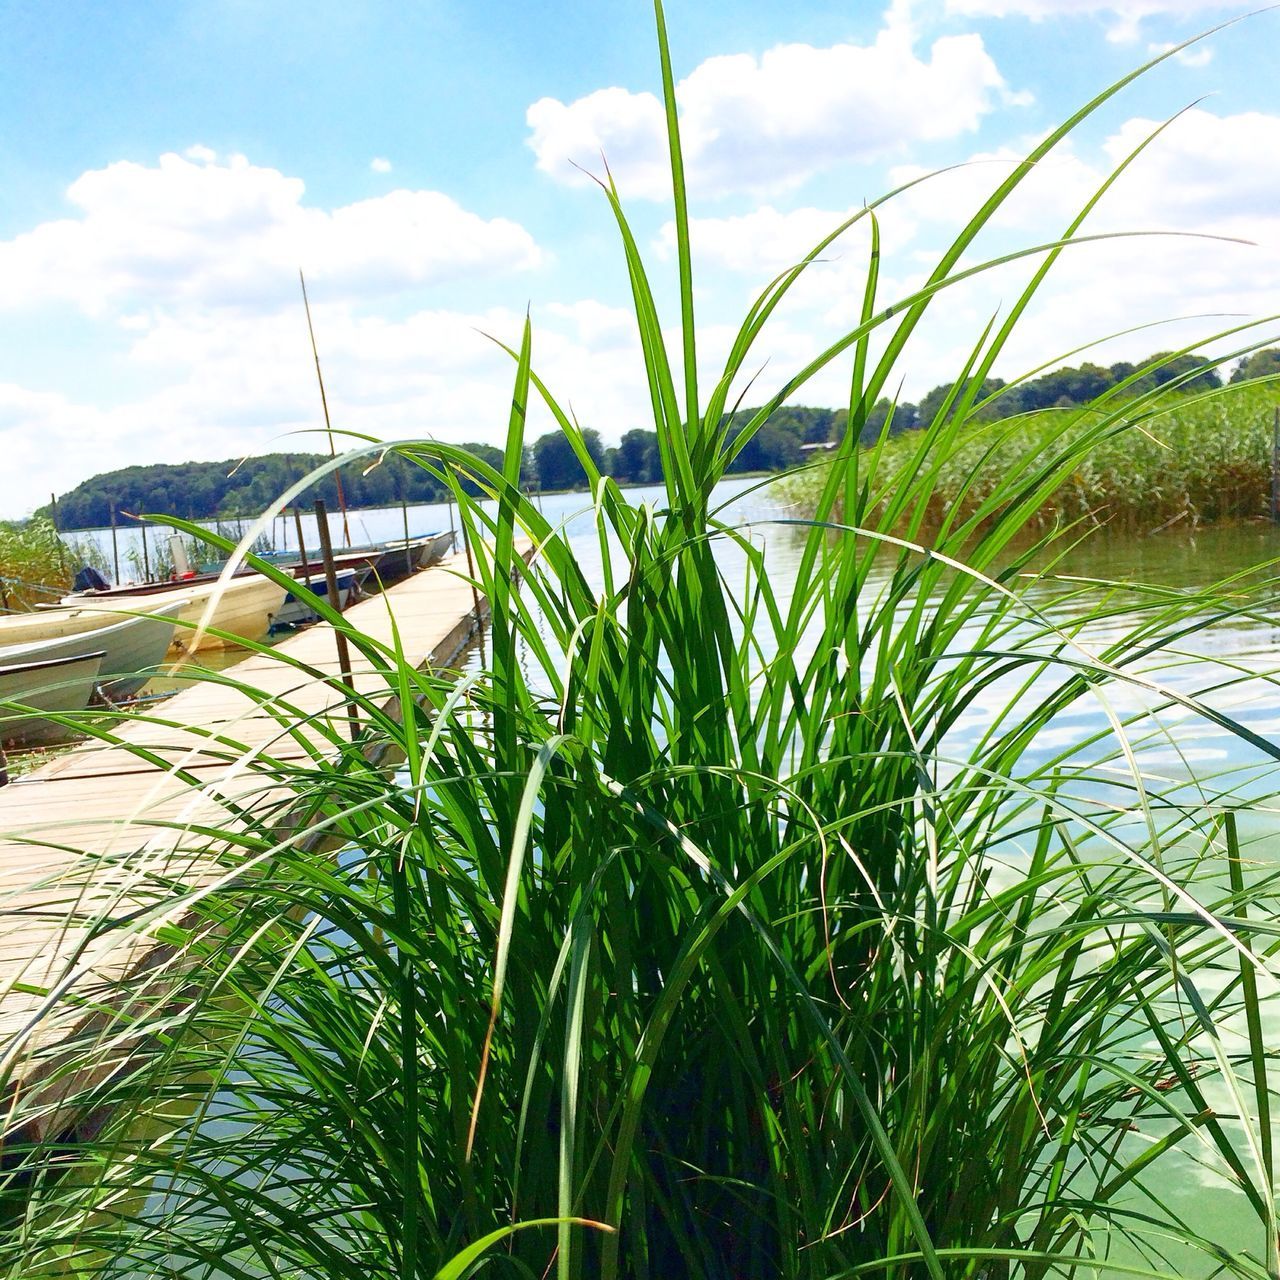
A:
1199,176
1204,170
221,384
761,243
1126,15
197,231
1197,56
380,164
769,123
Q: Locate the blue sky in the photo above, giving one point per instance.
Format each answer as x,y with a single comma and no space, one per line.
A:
169,166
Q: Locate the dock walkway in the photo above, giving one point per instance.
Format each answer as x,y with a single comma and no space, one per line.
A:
82,836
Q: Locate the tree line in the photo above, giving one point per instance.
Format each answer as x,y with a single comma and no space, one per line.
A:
205,490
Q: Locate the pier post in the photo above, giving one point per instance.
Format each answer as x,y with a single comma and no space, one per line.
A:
331,581
115,546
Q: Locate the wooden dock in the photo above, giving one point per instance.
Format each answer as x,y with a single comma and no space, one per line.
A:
91,833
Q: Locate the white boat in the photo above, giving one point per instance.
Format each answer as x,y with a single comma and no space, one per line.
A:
56,621
59,685
438,546
397,558
297,610
131,647
243,606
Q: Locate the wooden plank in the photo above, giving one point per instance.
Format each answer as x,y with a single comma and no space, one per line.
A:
94,830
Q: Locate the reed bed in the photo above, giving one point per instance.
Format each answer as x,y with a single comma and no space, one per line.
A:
718,926
33,564
1194,459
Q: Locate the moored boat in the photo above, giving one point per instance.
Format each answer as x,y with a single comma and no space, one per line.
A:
131,646
385,562
58,685
244,606
440,546
399,557
297,609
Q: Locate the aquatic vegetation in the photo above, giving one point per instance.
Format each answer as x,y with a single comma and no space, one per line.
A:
722,925
1180,459
33,563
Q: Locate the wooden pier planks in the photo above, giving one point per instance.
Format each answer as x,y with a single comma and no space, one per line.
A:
79,835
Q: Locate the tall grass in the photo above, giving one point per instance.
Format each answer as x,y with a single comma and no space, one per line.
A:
719,927
33,563
1186,460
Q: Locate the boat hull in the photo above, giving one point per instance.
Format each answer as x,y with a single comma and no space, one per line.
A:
131,647
59,685
297,610
242,606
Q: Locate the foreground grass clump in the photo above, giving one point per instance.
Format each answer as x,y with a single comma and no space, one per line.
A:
719,926
33,564
1189,460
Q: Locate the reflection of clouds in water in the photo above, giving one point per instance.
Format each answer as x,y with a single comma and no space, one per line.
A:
1185,755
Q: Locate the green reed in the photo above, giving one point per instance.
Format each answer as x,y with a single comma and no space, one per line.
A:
704,932
34,565
1184,460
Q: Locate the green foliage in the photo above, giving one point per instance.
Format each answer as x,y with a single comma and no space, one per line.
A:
1185,458
243,487
1261,364
557,465
704,911
34,565
636,460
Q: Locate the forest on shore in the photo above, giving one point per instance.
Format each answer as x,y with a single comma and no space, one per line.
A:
244,487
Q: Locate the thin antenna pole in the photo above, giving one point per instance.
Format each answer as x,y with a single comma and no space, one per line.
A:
324,404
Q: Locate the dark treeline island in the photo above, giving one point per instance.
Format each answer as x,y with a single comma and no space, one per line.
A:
204,490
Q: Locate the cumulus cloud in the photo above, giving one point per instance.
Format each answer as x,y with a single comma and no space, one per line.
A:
380,164
1197,56
221,384
197,230
761,243
1126,15
1199,176
769,123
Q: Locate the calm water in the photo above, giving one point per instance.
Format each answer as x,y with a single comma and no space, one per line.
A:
1179,561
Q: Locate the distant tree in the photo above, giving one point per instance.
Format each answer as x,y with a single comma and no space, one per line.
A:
558,465
1204,377
931,404
204,490
1261,364
905,416
769,449
636,459
808,425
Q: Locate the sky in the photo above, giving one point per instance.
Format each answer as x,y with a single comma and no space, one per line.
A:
168,166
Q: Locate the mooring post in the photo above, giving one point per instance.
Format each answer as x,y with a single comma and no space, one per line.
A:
115,546
408,555
146,554
331,581
302,545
